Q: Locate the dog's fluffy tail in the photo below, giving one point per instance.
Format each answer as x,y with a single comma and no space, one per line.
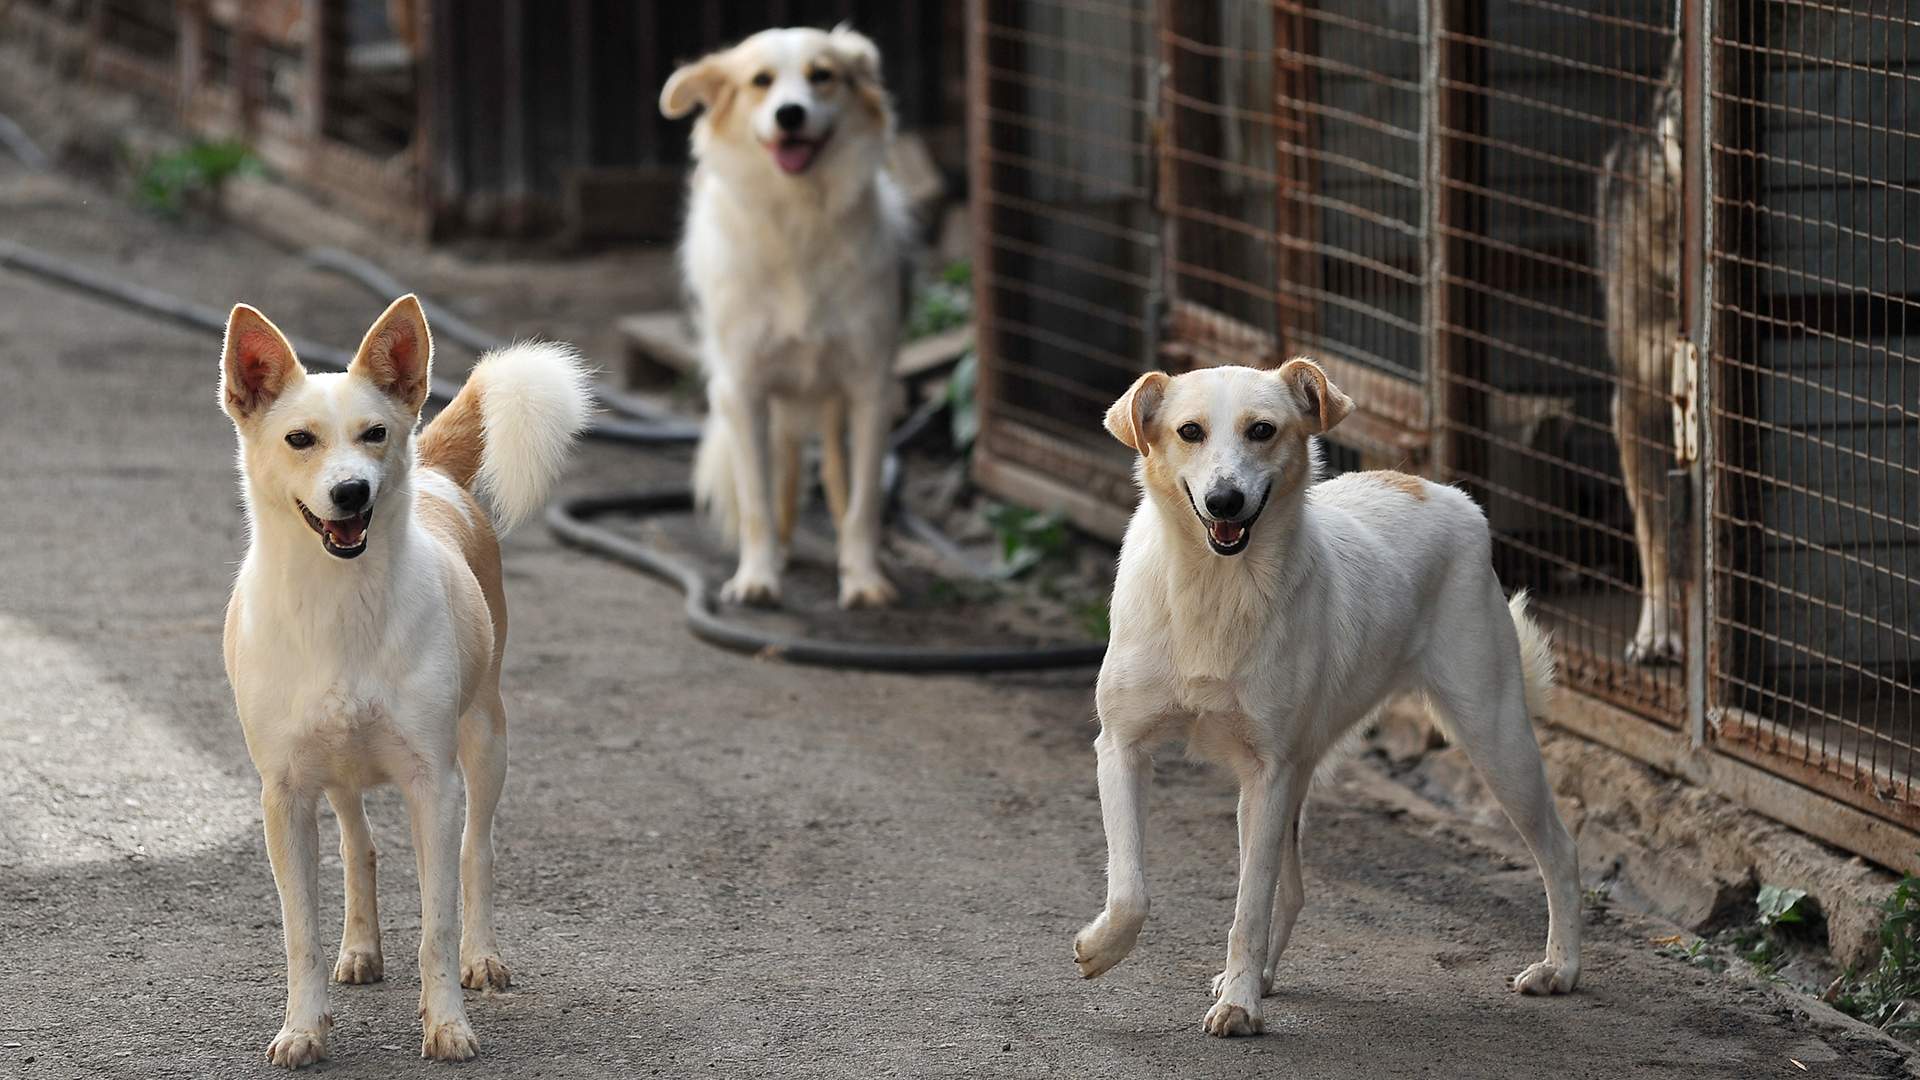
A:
1537,665
506,434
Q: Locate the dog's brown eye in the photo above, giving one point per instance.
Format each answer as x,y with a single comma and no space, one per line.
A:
376,433
1192,432
819,75
299,440
1260,431
763,80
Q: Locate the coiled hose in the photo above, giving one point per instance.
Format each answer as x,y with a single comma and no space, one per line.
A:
573,520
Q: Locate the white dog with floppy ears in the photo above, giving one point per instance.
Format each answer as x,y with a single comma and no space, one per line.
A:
794,252
1263,615
367,628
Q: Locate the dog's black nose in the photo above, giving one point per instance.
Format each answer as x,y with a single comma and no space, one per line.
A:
350,496
790,117
1225,503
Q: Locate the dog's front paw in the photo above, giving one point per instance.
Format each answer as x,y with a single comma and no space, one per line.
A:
751,587
1103,943
1655,650
1219,985
485,973
1228,1018
867,590
1546,977
358,965
296,1048
451,1040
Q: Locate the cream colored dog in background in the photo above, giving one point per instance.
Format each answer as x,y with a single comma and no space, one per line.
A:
794,252
366,631
1263,616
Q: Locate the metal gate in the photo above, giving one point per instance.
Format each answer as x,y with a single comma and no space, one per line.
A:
1636,273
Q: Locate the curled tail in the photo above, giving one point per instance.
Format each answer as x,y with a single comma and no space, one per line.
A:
506,434
1537,665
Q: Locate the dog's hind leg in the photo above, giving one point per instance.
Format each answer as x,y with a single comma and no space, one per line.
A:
483,758
360,960
293,847
1475,681
1124,767
1642,428
433,802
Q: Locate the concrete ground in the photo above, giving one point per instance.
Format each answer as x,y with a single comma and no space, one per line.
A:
709,865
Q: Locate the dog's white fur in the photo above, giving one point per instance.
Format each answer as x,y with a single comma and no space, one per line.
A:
797,282
384,667
1342,593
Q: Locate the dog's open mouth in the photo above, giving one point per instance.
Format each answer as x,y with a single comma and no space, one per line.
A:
794,154
343,539
1229,537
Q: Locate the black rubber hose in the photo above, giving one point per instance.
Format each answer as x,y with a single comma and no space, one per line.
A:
633,432
572,521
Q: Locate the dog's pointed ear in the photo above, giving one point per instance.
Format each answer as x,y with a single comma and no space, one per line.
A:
1131,418
397,354
257,364
692,86
1322,401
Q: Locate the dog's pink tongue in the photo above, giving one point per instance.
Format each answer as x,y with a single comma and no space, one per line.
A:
793,155
347,533
1227,532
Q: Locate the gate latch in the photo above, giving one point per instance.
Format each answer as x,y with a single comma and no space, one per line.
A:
1685,386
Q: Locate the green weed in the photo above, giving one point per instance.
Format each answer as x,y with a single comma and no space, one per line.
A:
1880,996
170,183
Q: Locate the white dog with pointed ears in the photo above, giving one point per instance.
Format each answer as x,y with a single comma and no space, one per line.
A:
1263,616
794,252
366,631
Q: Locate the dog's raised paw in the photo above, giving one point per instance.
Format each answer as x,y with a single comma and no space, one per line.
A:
449,1041
485,973
294,1048
1226,1020
1101,944
358,966
1546,978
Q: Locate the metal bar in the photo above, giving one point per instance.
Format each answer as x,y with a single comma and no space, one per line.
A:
1460,409
1696,308
981,212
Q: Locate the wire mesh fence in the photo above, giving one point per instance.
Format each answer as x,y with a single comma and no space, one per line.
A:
1637,273
1819,471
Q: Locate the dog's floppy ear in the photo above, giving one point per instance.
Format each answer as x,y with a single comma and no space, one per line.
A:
692,86
257,364
397,354
1318,397
1130,418
860,60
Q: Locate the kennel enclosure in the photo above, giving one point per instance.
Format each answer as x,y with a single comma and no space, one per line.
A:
1635,273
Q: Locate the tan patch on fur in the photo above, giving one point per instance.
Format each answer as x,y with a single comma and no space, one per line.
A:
453,442
1406,483
481,619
